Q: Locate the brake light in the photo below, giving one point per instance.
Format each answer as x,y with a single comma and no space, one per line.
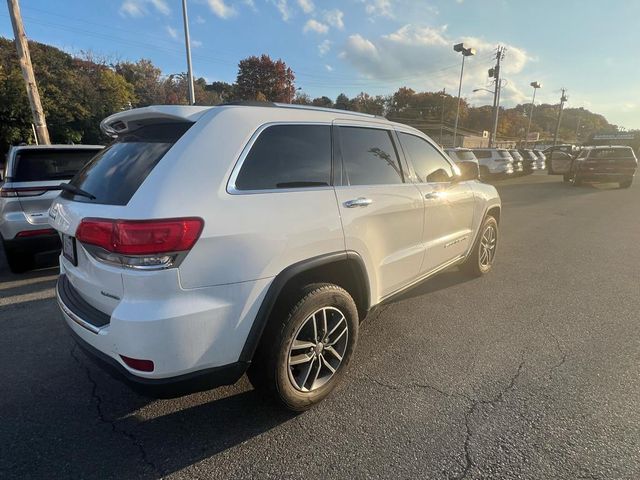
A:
6,192
36,233
138,364
144,244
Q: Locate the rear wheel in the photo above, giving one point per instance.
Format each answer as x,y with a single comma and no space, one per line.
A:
626,183
480,261
305,350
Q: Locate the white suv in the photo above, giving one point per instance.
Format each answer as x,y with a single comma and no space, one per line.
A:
494,162
206,241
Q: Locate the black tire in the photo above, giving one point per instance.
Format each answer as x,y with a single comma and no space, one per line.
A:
576,179
18,261
473,265
626,183
270,370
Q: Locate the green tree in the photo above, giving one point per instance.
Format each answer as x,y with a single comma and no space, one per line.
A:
273,79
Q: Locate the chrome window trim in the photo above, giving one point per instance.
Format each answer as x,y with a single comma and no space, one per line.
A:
231,184
442,153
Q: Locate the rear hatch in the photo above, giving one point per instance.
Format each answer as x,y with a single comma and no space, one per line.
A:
37,175
103,188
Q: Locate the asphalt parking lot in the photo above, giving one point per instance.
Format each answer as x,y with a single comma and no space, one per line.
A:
530,372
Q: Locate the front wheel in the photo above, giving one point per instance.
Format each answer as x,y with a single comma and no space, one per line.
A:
480,261
304,352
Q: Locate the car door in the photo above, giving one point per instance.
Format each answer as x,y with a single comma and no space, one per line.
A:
560,162
449,204
382,213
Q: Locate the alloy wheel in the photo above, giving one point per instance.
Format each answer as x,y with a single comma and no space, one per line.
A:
488,244
317,349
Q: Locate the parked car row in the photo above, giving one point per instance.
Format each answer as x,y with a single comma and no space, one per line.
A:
499,162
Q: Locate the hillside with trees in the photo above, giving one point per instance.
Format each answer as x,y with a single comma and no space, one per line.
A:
79,91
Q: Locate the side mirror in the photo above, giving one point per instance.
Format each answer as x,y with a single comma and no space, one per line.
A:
468,171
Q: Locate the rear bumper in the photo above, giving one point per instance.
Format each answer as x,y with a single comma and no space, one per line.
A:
34,245
171,387
191,337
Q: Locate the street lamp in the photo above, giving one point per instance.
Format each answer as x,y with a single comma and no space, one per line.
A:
481,89
535,86
466,52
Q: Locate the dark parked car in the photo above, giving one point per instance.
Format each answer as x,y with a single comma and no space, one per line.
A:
604,164
518,161
530,160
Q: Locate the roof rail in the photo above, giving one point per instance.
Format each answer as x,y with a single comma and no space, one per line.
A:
248,103
326,109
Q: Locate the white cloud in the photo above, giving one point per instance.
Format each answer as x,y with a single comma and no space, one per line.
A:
324,47
379,8
138,8
329,68
173,33
315,26
335,18
251,4
221,9
307,6
196,43
200,19
283,8
422,58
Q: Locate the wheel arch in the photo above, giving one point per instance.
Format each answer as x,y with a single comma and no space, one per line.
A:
345,269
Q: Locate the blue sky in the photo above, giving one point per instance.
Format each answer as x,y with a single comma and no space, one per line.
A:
376,46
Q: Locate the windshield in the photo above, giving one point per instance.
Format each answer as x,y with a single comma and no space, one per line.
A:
56,164
117,172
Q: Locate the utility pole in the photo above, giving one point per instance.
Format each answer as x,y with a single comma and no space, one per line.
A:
443,95
187,41
495,74
563,99
39,120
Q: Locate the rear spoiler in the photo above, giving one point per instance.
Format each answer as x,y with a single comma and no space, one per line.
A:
129,120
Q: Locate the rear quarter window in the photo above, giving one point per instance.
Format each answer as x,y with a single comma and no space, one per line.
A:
288,156
116,173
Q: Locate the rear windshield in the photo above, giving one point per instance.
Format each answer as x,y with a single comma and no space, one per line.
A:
504,154
116,173
33,165
515,154
465,155
612,153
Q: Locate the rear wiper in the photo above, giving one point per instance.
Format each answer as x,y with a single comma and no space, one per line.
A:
76,191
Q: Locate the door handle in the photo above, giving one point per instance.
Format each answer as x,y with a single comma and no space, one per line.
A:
358,202
431,196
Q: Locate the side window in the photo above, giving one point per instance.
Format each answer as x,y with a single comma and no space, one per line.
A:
482,153
288,156
428,163
369,157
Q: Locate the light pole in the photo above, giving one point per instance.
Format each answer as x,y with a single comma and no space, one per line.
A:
535,86
187,42
466,52
443,95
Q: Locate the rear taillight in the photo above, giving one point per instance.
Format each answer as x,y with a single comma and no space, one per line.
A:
36,233
25,191
143,244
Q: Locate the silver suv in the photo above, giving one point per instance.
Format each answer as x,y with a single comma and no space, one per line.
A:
29,182
494,162
209,241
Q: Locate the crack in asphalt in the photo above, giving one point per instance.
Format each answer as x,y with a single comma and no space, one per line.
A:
97,399
563,353
474,404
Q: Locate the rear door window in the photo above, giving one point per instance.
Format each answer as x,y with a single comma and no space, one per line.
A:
288,156
116,173
32,165
369,156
